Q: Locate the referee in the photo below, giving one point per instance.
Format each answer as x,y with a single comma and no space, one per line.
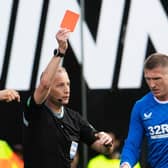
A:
52,131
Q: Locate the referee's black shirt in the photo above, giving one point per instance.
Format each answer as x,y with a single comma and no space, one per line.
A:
47,139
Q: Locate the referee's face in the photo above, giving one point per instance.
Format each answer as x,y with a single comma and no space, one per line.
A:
60,91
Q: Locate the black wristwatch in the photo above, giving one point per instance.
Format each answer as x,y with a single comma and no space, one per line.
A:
57,53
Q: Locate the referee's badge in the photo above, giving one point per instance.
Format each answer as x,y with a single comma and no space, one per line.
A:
73,149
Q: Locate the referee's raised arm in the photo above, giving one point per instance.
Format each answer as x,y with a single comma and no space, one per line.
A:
48,74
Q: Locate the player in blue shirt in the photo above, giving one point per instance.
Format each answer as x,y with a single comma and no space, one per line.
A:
149,117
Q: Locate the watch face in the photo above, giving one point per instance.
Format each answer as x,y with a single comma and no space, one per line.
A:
57,53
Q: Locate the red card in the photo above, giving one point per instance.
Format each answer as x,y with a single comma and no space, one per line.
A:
69,20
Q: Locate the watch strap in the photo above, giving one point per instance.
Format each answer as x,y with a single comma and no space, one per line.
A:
57,53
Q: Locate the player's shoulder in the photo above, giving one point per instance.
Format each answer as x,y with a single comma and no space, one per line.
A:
145,103
147,98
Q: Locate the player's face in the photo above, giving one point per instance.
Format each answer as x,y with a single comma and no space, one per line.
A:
157,80
60,90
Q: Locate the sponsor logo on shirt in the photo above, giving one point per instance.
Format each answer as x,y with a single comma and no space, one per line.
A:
147,115
158,131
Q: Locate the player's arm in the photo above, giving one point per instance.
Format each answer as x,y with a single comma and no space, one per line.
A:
131,149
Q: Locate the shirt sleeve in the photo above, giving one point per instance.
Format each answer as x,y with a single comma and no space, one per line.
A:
87,132
132,146
31,110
